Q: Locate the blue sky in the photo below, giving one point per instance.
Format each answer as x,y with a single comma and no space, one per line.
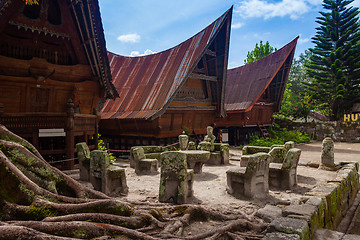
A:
145,26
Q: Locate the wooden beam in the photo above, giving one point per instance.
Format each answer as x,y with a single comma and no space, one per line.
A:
210,53
203,77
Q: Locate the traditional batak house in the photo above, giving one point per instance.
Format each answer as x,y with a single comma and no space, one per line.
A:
253,93
53,71
165,93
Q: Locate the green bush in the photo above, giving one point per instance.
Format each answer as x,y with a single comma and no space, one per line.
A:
101,146
279,136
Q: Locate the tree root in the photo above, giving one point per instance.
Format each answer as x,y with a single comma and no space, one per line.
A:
24,233
60,208
130,222
80,190
235,224
80,229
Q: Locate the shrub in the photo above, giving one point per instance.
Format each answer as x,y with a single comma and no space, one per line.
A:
279,136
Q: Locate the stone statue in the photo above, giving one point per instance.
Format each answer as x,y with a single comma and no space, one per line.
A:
210,137
183,141
209,140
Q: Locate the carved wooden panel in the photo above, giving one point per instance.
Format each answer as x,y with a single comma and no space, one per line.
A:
10,97
39,99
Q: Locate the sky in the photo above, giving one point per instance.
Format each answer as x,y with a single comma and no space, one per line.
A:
139,27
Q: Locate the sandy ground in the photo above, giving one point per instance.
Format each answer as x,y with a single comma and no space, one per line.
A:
210,186
311,152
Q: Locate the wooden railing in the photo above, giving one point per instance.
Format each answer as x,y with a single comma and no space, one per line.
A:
33,120
82,122
85,122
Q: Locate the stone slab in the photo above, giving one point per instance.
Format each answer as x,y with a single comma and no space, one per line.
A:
280,236
290,226
269,213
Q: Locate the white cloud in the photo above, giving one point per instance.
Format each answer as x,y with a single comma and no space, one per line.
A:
236,25
303,40
137,53
355,3
266,9
131,37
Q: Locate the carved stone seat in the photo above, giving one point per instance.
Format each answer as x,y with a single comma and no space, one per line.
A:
151,152
176,181
284,175
142,164
251,181
220,156
115,181
106,177
278,154
247,150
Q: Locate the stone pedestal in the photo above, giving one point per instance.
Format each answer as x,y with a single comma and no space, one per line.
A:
327,153
83,153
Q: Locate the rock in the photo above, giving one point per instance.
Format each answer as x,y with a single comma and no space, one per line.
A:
326,234
327,153
280,236
269,213
290,226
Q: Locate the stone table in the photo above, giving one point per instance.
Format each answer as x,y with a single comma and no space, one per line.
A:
196,159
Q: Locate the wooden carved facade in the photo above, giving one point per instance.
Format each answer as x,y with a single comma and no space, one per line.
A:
53,72
254,92
165,93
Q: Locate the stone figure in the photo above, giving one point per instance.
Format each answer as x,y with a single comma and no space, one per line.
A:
210,137
183,141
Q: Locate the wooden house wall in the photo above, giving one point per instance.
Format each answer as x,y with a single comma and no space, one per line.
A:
42,66
259,114
22,93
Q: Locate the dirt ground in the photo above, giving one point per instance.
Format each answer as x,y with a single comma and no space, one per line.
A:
210,186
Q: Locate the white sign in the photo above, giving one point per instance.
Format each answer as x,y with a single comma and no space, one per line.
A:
52,132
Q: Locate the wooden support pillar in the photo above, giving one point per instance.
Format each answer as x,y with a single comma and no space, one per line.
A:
35,139
69,141
1,109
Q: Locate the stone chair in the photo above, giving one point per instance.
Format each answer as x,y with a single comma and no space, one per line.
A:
144,165
278,154
115,181
105,177
284,175
220,155
288,145
150,152
176,181
251,181
247,150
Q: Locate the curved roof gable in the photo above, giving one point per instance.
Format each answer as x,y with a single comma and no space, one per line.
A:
246,84
147,84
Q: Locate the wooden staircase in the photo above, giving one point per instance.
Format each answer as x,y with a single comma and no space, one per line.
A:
264,131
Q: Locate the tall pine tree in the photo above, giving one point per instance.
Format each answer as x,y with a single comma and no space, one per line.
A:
335,59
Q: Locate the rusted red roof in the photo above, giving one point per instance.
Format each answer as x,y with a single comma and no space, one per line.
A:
147,84
246,84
